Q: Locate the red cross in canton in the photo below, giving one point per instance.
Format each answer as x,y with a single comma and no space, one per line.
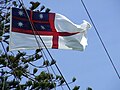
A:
53,32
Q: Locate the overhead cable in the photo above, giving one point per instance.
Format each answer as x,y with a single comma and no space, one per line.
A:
96,30
34,32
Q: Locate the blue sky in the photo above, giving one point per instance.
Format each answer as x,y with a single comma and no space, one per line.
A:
92,67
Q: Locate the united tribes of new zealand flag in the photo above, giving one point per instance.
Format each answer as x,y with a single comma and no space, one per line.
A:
45,24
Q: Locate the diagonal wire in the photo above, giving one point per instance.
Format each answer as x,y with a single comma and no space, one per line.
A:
43,53
11,63
44,45
100,39
33,30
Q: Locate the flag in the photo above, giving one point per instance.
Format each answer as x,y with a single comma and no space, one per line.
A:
56,31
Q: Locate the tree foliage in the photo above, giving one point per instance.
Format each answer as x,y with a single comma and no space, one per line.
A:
18,70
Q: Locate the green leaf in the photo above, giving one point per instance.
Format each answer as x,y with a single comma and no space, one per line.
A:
30,59
29,83
34,5
89,88
14,3
0,51
46,63
26,66
74,79
52,62
38,50
35,70
1,19
1,32
62,81
24,60
52,85
76,88
57,77
47,10
37,56
7,48
42,8
0,38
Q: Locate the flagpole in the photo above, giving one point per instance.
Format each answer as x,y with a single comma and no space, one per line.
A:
110,59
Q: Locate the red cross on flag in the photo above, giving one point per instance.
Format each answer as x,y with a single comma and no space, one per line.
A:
56,31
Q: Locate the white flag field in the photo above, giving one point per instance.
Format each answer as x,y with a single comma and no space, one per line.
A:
55,30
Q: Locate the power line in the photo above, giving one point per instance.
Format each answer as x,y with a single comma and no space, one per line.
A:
100,38
33,29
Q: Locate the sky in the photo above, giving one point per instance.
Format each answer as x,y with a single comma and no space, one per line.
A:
91,67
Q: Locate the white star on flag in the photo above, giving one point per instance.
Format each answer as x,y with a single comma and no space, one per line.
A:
56,31
41,16
20,24
20,13
42,27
